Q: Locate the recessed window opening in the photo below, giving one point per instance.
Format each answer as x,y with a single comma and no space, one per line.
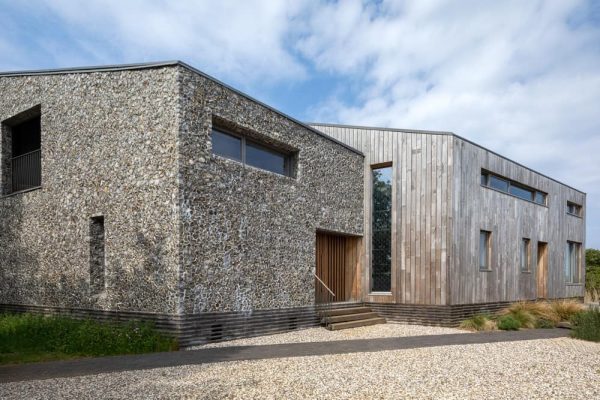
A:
381,245
250,152
21,153
516,189
525,255
573,262
574,209
97,255
485,244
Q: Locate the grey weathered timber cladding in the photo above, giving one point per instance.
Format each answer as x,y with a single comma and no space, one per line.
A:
421,206
509,219
439,208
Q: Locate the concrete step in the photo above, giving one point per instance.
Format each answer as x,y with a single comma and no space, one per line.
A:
344,311
355,324
349,317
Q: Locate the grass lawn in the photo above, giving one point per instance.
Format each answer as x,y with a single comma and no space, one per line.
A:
33,338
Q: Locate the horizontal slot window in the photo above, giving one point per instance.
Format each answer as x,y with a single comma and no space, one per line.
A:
239,148
516,189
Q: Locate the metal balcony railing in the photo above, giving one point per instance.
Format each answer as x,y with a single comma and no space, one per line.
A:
26,171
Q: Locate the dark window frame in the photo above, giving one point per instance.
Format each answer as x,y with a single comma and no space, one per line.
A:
288,156
485,179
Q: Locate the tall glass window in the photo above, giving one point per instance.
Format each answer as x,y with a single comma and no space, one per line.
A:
381,260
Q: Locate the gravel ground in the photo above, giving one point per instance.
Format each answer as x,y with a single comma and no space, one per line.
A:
389,329
539,369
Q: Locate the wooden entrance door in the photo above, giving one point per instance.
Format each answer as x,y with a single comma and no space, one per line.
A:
337,261
542,270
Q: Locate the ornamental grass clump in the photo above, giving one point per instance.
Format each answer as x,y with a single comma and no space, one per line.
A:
566,309
479,322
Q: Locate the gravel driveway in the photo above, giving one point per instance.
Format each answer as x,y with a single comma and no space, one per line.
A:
389,329
551,368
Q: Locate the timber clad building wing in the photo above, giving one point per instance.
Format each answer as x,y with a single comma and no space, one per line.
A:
167,195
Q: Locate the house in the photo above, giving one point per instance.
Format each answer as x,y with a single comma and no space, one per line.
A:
155,192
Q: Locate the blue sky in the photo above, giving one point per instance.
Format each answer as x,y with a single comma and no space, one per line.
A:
519,77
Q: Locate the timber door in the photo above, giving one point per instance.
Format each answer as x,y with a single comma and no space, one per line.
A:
542,270
337,261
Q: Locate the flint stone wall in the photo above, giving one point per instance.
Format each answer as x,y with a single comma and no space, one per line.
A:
248,235
108,148
185,231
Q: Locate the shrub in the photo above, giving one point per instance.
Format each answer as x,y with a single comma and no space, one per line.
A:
36,337
478,322
508,323
565,309
586,325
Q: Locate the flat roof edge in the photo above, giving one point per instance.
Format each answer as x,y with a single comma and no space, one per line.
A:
449,134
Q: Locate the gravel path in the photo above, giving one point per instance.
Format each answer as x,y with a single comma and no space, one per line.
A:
553,368
323,335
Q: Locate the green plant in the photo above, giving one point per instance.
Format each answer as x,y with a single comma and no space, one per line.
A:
545,324
529,312
478,322
586,325
28,337
508,323
592,273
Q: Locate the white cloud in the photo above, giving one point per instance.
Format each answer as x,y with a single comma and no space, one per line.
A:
234,39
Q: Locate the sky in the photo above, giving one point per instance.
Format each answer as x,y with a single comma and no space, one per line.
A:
519,77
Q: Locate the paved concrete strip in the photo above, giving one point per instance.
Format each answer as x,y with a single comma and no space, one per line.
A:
91,366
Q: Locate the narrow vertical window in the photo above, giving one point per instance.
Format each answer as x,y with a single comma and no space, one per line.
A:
573,262
97,255
381,260
484,250
525,255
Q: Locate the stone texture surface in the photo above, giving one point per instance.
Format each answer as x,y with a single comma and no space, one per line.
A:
185,231
109,147
248,235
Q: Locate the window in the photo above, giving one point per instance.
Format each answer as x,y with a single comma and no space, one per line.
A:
572,262
249,152
574,209
511,187
381,244
97,255
21,152
525,255
484,250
